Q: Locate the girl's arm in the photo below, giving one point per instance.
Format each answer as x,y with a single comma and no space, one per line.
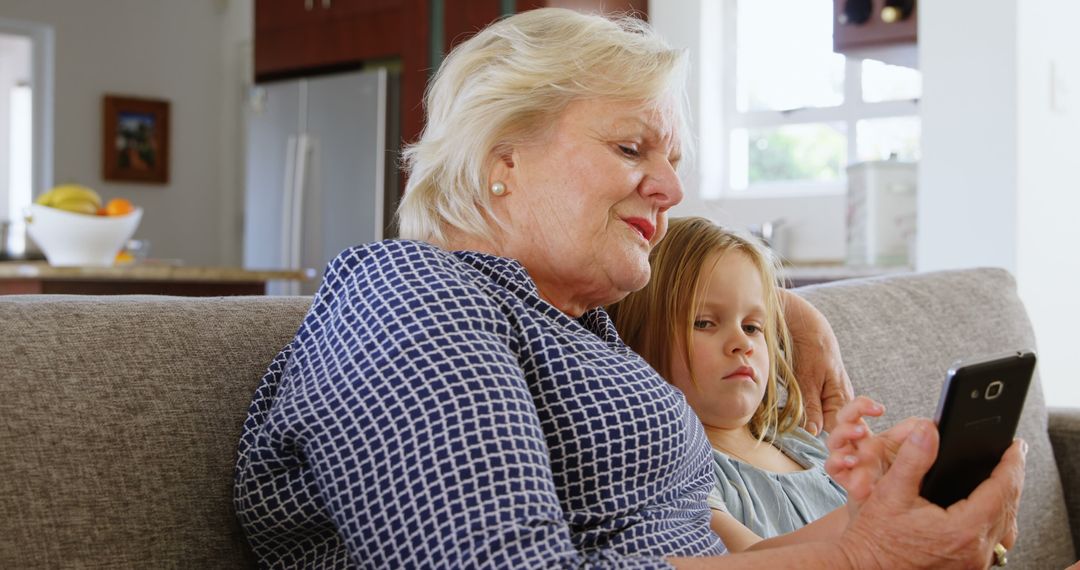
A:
828,527
738,538
735,535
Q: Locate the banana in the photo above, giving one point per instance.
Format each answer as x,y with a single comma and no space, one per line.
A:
70,193
76,192
77,205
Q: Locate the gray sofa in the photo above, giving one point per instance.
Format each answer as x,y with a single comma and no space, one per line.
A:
119,416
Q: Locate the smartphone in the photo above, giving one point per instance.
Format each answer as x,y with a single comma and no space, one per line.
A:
977,415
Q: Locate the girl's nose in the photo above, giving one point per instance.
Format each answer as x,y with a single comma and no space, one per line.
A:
739,343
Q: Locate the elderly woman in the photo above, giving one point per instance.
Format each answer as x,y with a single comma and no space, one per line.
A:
461,401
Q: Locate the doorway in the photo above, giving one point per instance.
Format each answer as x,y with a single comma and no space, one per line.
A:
26,75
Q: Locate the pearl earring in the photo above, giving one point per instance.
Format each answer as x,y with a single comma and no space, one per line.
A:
498,188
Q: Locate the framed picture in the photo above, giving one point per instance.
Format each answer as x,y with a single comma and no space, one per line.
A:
135,140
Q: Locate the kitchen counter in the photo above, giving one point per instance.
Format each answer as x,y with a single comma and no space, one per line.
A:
164,279
139,279
799,274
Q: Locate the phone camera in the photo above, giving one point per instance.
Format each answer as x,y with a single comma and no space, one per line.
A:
994,389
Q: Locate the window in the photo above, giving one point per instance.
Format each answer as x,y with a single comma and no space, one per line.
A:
26,119
16,140
795,113
20,146
20,159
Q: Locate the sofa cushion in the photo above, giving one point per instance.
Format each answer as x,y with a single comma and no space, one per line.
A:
119,419
1064,433
119,416
899,335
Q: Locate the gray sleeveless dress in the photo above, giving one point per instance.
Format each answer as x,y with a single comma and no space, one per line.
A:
770,503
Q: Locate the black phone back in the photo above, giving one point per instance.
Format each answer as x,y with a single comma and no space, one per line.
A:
977,415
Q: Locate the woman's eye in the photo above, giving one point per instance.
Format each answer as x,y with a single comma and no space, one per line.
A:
630,151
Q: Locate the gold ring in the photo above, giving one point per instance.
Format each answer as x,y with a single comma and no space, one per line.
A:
999,555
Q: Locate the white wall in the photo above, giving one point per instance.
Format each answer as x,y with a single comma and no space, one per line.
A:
997,180
151,48
237,70
679,22
998,183
968,172
1048,187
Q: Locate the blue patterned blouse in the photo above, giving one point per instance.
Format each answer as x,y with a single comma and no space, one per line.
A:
433,411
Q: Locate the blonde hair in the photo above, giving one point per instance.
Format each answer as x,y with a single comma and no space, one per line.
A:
508,84
649,320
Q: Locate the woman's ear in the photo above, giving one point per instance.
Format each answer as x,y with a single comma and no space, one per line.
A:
507,156
503,166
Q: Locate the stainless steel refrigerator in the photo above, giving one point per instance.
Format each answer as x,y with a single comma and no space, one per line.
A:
321,170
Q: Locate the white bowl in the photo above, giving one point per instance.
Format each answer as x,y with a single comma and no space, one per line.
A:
70,239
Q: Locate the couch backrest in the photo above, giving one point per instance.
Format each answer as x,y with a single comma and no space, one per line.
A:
119,416
900,334
119,419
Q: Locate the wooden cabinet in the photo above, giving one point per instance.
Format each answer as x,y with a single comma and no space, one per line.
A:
604,6
294,37
859,24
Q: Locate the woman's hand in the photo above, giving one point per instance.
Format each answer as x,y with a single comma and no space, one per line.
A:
819,369
896,528
857,457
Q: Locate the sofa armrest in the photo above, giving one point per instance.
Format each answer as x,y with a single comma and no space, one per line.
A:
1064,431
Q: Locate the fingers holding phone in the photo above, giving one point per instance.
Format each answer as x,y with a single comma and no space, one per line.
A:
901,527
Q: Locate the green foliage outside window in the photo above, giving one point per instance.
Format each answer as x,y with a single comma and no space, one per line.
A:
803,152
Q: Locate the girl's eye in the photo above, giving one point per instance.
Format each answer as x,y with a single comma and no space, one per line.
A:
629,150
701,324
752,329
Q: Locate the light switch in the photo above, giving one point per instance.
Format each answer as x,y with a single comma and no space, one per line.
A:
1059,89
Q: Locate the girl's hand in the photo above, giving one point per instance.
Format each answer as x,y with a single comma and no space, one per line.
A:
857,457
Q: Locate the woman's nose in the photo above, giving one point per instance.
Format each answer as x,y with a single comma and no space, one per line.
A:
662,185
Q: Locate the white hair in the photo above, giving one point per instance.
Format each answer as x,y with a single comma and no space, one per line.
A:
507,84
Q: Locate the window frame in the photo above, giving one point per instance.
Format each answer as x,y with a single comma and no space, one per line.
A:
43,48
849,113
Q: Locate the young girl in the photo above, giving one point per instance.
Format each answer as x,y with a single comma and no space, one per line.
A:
710,321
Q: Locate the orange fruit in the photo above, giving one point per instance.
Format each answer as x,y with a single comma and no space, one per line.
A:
119,207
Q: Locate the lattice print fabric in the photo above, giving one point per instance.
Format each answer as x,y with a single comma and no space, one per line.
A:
434,412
